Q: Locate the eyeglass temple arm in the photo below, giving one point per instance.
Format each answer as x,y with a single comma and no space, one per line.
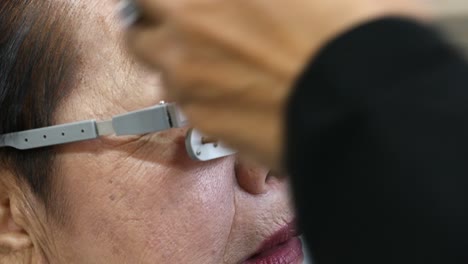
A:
150,120
49,136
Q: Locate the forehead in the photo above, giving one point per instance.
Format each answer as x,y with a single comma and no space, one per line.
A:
109,80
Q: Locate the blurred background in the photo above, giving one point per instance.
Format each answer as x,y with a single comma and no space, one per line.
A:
452,7
456,29
453,20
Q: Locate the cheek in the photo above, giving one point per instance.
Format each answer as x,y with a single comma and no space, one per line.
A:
194,211
138,207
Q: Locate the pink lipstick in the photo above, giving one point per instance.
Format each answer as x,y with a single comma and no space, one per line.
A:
284,247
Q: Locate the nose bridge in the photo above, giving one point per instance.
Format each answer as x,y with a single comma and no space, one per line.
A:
251,177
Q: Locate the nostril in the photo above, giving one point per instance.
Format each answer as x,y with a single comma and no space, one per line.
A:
269,176
274,174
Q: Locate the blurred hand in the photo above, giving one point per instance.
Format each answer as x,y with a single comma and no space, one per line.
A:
231,65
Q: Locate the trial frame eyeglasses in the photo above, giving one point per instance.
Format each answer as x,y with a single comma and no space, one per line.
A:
148,120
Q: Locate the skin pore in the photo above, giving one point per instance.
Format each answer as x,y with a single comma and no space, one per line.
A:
135,199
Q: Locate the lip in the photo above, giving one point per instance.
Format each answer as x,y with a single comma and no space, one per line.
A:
283,247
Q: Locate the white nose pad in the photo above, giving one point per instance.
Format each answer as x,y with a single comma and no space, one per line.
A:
198,148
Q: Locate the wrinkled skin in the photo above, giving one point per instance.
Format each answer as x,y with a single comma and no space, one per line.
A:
138,199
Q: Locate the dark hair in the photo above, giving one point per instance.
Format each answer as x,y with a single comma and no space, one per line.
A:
37,64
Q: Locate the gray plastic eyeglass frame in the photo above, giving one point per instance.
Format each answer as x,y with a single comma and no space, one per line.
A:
149,120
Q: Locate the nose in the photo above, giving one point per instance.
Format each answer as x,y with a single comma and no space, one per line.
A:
252,178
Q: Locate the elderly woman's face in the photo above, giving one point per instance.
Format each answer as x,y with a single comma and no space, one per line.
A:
141,199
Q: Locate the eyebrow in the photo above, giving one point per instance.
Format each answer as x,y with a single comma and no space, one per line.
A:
148,120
